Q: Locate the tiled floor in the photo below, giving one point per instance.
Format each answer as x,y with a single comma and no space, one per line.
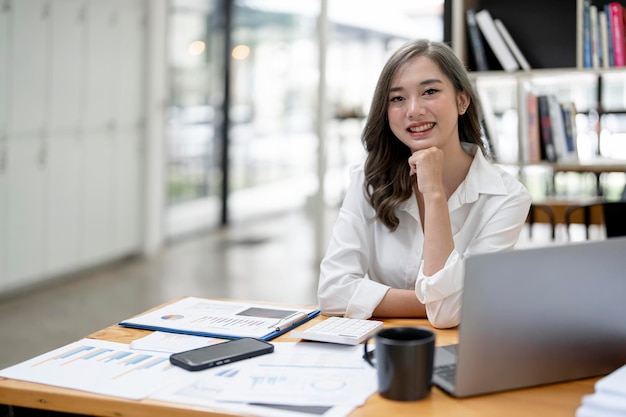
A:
270,260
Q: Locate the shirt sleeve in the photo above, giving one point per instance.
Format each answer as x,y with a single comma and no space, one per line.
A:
441,293
344,287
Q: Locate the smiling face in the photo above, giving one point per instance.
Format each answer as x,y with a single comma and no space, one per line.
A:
424,107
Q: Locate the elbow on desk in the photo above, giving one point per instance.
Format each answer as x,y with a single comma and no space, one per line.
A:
443,318
445,323
330,312
330,307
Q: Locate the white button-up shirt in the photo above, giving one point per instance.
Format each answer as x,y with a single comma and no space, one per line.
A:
364,258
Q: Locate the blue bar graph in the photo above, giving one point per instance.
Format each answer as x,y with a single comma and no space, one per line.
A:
75,351
138,359
97,353
102,367
154,363
118,356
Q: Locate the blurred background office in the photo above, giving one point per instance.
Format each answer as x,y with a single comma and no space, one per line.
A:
157,148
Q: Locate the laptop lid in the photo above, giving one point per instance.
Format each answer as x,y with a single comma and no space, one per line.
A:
541,315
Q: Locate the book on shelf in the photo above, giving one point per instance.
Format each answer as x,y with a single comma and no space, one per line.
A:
508,39
533,130
558,128
489,124
222,319
604,40
477,46
618,37
568,111
545,31
596,52
495,41
602,35
580,37
609,36
593,34
548,151
586,39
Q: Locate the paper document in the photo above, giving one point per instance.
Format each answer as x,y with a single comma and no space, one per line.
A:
297,380
296,374
172,342
614,383
609,398
305,374
225,319
100,367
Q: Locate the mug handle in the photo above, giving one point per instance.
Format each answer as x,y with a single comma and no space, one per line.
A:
368,355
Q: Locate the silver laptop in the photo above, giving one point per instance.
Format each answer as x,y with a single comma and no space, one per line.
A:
538,316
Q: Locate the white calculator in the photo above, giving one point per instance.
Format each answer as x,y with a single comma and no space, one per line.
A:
340,330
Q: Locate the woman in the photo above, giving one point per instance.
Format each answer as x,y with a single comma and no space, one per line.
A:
425,198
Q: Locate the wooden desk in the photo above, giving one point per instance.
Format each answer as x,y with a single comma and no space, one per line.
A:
552,400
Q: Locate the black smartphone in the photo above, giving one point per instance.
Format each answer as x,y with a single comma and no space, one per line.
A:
221,353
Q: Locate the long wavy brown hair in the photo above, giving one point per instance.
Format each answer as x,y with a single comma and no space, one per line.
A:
387,180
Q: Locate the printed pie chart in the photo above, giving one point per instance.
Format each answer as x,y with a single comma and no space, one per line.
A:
172,317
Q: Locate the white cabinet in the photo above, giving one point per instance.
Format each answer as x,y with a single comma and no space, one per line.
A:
130,50
28,65
129,139
3,220
97,198
24,215
66,65
62,201
4,109
4,68
127,194
112,169
64,145
101,70
71,135
111,195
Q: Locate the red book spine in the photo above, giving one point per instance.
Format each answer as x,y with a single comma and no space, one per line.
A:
617,33
534,130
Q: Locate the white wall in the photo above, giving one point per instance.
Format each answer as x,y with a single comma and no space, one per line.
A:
75,111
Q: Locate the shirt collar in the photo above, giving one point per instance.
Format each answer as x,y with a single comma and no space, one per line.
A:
483,177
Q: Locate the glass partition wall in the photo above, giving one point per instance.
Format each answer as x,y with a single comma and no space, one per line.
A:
274,73
196,76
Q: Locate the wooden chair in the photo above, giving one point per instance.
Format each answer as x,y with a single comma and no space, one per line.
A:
611,214
540,213
553,210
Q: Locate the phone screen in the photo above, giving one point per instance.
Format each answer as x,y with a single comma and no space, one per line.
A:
221,353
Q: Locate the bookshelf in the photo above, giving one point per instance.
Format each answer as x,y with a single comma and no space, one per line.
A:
549,35
599,97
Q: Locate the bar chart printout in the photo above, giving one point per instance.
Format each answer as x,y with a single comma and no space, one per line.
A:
100,367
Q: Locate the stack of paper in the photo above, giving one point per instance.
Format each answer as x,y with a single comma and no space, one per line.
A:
223,319
609,399
101,367
297,380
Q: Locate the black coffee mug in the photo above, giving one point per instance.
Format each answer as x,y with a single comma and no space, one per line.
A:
403,359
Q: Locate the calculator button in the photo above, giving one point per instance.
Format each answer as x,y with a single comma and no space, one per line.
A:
340,330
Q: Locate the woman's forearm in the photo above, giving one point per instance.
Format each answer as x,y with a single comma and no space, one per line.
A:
400,303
